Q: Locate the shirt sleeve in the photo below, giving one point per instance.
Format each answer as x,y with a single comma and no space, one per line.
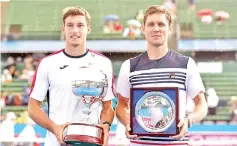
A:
40,83
110,75
123,84
194,82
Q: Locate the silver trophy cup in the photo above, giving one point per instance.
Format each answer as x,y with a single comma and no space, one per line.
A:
90,89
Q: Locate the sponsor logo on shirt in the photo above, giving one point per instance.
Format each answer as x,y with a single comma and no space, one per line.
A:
172,75
64,66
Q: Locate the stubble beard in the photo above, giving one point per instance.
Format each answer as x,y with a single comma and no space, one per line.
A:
158,44
75,45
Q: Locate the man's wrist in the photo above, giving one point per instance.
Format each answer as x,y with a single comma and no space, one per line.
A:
106,122
52,127
190,123
127,127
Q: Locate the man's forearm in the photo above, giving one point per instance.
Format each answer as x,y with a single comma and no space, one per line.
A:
200,109
198,114
107,115
39,117
123,115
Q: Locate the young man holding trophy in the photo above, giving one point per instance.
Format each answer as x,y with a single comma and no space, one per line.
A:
154,86
78,83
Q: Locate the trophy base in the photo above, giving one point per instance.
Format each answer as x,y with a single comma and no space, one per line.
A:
74,143
82,140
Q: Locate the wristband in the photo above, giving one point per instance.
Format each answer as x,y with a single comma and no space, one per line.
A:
106,122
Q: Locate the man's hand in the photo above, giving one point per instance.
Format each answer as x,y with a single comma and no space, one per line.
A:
127,132
183,126
58,132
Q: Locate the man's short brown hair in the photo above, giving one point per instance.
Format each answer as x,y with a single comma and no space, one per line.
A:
157,9
72,11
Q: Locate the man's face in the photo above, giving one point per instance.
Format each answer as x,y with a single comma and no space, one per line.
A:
156,29
76,30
